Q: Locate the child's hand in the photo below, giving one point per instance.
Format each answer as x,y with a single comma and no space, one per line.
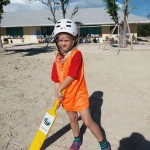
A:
60,95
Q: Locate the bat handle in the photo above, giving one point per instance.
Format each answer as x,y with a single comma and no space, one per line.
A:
63,91
57,102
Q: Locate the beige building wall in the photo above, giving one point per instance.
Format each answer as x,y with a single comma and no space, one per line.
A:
133,31
30,34
3,33
105,32
31,37
28,37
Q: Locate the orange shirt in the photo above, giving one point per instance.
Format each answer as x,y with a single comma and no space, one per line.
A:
76,95
74,70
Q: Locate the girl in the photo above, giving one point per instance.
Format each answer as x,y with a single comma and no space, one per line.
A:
68,74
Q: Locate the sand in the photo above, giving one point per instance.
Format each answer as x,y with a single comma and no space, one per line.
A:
119,90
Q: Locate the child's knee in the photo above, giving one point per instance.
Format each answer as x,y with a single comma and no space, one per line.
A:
73,118
88,123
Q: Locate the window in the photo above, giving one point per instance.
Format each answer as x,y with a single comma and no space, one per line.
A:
90,30
15,32
47,30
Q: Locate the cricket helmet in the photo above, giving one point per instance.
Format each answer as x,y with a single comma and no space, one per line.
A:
65,26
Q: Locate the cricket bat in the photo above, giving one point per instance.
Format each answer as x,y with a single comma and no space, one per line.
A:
45,126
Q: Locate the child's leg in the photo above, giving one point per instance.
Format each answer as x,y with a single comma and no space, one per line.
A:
75,129
73,116
88,121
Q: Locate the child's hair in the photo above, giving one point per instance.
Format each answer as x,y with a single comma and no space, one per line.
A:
66,26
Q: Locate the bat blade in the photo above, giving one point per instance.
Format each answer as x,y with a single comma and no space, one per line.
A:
44,128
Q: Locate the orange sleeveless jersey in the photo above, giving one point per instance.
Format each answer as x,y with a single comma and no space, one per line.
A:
76,95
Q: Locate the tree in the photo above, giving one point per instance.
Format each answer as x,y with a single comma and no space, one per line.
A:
54,5
2,3
112,9
124,31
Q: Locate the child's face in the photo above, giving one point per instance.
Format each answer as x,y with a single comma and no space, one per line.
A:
65,42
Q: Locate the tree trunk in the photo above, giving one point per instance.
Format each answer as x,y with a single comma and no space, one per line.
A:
1,45
130,37
123,32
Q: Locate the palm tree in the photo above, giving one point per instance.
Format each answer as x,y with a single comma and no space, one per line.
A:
126,14
112,9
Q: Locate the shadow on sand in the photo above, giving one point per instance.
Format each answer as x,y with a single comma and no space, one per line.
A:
96,102
29,51
136,141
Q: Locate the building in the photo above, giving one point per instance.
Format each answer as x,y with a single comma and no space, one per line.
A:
34,27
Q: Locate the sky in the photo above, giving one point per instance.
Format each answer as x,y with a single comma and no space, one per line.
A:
137,7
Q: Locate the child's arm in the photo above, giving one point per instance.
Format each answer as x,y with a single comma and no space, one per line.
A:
56,88
68,80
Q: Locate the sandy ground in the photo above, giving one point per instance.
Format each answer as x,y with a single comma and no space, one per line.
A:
119,90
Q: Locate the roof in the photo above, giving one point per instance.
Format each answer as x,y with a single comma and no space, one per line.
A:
87,16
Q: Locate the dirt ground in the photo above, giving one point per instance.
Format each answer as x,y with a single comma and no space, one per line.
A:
118,82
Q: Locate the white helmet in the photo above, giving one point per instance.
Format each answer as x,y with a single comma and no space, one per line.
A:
65,25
